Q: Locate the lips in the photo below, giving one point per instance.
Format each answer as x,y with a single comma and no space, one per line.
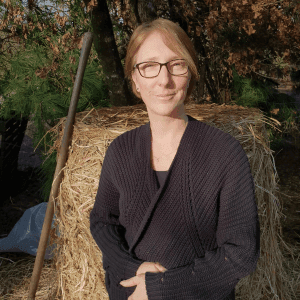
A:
166,95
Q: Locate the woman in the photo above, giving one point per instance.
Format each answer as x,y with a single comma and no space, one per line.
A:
175,214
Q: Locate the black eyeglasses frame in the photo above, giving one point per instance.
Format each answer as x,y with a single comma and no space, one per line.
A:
136,66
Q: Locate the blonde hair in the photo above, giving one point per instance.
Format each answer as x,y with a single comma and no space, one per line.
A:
175,39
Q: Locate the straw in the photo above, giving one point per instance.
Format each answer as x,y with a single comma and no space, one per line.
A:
77,264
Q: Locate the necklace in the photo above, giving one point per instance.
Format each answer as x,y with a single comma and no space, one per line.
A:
169,153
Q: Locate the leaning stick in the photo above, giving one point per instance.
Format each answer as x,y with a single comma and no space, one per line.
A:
67,138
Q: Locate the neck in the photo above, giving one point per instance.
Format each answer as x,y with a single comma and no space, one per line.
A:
166,128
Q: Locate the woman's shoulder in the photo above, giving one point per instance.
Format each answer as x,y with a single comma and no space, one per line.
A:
129,135
126,140
213,134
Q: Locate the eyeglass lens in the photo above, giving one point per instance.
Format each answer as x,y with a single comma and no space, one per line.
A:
151,69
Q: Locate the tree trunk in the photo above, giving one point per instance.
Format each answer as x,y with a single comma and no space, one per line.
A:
211,86
207,79
106,48
134,4
201,82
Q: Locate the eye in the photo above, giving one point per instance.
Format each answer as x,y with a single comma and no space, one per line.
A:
148,66
178,64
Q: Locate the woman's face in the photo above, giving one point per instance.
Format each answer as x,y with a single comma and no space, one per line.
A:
154,49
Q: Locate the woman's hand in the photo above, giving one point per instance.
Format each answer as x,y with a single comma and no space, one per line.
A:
139,280
150,267
140,292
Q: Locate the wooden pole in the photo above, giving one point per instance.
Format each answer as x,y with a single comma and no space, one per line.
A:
67,138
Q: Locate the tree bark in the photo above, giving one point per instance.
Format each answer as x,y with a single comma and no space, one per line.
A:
205,75
106,48
136,11
201,82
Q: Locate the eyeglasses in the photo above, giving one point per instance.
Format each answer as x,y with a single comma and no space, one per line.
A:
151,69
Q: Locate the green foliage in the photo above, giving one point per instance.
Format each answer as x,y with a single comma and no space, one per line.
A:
25,92
249,93
253,93
37,81
287,115
276,141
48,98
4,83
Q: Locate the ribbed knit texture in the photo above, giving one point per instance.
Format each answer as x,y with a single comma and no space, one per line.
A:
201,224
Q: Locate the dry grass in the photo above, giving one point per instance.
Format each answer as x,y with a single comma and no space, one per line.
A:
76,270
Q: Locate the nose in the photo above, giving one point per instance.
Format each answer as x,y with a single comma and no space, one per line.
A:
164,74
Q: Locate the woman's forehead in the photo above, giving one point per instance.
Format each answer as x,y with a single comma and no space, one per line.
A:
154,48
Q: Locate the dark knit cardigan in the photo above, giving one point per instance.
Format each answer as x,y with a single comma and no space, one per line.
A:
201,223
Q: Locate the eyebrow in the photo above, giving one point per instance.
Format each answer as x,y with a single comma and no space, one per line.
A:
155,57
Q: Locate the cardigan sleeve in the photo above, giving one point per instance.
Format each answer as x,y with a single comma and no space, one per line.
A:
215,275
106,229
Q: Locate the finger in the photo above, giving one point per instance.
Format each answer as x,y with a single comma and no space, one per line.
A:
153,269
129,282
160,268
125,282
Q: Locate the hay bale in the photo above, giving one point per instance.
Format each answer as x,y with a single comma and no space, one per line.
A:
77,258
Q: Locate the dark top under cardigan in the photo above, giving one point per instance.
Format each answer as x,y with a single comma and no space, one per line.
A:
200,222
